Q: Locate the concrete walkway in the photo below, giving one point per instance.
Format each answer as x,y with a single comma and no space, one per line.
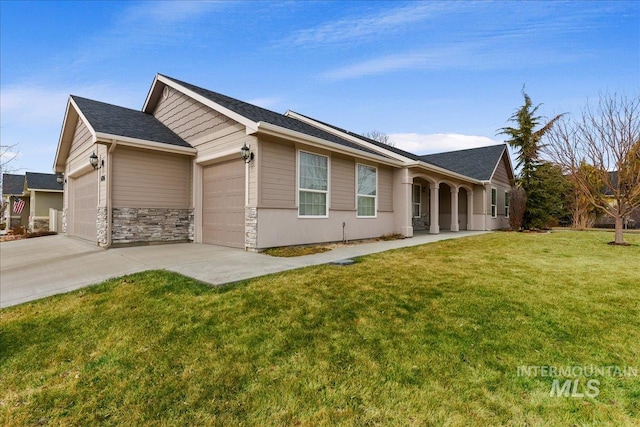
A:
36,268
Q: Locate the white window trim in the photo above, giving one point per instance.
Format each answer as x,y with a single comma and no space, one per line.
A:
298,189
375,198
507,196
414,203
494,214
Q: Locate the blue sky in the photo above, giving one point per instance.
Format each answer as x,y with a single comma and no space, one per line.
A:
435,76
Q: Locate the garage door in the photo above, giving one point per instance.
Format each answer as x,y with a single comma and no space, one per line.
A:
223,204
84,204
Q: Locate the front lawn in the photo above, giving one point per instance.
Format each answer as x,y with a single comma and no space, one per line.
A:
429,335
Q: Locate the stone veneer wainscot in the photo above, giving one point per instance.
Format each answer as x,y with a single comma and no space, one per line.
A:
150,225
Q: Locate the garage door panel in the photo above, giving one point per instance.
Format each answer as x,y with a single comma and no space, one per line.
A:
85,203
223,204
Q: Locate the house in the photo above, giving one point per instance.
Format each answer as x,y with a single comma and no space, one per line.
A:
173,172
28,198
607,221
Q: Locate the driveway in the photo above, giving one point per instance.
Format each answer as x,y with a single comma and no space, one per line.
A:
31,269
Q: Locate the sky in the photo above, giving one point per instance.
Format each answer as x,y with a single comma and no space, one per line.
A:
434,76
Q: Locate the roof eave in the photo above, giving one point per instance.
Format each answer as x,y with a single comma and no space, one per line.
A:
444,171
346,136
59,162
274,130
106,138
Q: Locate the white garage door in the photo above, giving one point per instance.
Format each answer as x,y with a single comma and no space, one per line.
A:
84,204
223,204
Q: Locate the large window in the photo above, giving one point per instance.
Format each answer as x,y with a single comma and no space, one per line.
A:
367,185
494,203
417,201
506,203
313,184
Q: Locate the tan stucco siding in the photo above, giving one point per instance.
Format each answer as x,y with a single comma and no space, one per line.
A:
148,179
277,175
285,228
343,183
188,118
385,189
43,201
81,147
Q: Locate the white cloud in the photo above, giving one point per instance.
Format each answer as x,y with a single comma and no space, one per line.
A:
364,28
439,142
32,104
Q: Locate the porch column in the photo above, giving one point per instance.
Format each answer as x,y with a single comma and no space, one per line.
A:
402,186
454,209
469,210
434,208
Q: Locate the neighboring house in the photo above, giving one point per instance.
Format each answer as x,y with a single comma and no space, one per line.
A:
607,221
173,172
29,197
16,204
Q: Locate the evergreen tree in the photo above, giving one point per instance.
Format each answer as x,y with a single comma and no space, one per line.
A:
525,139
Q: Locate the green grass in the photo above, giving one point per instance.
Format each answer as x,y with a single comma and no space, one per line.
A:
429,335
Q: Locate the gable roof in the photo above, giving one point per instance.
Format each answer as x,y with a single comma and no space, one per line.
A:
261,115
478,163
42,181
12,184
114,120
362,137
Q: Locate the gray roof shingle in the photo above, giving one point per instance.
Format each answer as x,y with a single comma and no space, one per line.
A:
259,114
478,163
43,181
12,184
114,120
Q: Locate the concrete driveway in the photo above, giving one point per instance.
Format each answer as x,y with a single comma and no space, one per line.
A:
36,268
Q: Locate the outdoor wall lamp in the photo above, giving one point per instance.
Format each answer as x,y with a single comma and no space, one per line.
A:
93,160
59,179
246,153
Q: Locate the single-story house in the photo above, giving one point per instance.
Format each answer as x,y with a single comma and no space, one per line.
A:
27,199
196,165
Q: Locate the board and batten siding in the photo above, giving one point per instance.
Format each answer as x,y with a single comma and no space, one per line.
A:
385,189
277,175
343,183
188,118
149,179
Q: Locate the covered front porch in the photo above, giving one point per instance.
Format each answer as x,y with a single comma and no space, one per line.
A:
441,205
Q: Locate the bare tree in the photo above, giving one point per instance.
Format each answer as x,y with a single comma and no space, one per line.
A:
382,137
517,207
607,138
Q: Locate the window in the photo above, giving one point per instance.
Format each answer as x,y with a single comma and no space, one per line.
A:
366,194
506,204
494,203
313,184
415,198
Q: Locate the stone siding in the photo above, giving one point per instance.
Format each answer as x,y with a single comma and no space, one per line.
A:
151,225
64,220
421,223
40,224
102,222
251,228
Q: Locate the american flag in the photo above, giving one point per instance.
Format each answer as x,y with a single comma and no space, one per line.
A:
18,206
